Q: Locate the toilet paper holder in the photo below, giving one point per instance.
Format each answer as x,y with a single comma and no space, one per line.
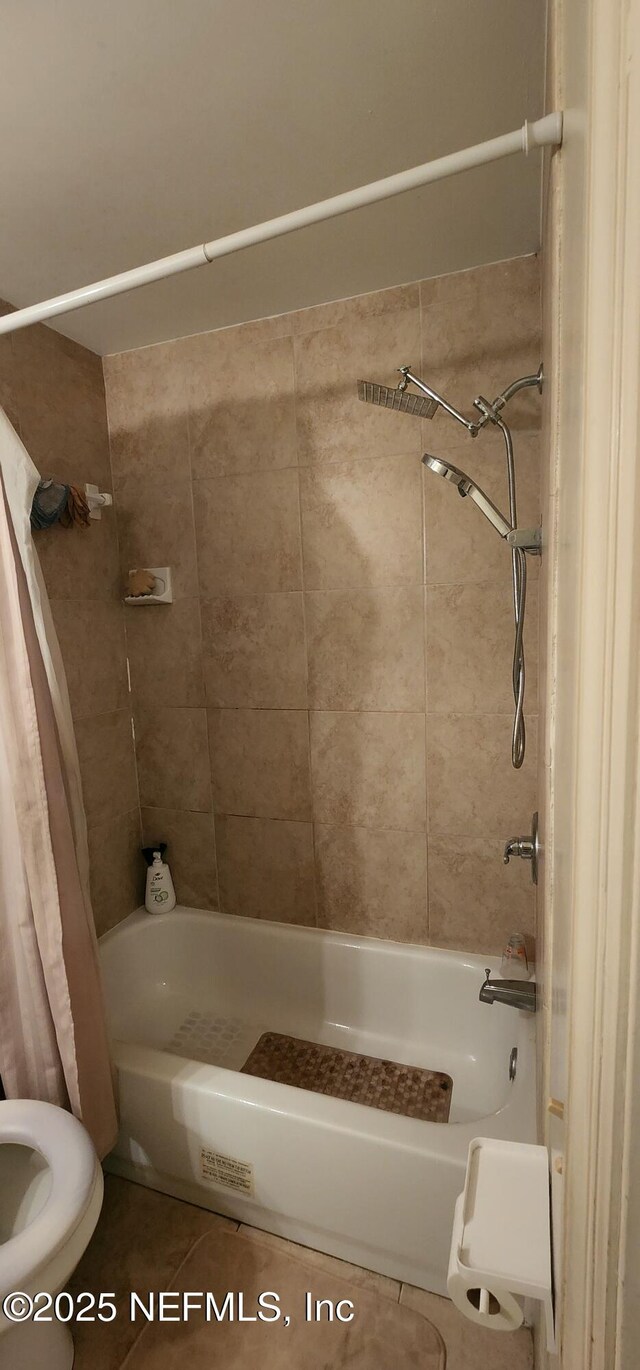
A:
501,1240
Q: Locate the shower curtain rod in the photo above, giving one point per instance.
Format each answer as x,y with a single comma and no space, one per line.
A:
545,132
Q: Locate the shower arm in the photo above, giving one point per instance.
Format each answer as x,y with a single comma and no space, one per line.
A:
488,412
407,374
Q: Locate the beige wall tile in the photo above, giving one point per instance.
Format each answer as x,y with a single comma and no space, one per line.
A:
155,528
91,635
461,546
473,789
254,651
107,765
81,563
521,274
355,307
375,525
368,769
333,424
59,394
165,653
53,390
8,377
362,524
480,340
117,869
191,853
470,648
260,762
476,902
366,649
470,1347
173,760
248,533
265,869
147,403
372,882
241,404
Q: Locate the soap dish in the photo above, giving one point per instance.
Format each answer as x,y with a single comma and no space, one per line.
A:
163,592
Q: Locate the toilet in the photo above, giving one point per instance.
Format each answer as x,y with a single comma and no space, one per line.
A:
51,1189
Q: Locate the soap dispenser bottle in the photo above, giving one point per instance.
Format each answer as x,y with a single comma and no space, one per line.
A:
160,896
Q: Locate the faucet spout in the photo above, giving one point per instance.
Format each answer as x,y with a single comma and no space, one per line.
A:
521,994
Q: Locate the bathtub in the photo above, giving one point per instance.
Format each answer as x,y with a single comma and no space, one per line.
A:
190,993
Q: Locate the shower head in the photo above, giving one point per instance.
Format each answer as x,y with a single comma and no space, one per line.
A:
465,486
405,402
396,398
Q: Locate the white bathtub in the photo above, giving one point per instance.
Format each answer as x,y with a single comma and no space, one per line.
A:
369,1186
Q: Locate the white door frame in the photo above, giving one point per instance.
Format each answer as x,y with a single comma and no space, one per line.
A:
598,793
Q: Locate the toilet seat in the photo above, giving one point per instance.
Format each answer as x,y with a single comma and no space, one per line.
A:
75,1174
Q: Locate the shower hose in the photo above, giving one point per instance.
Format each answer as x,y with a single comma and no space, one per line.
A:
519,579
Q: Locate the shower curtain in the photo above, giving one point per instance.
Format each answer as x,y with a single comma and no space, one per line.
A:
53,1036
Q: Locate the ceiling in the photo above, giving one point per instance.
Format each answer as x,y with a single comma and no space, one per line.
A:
135,128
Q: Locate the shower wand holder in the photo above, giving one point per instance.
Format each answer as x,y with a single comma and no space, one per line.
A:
528,539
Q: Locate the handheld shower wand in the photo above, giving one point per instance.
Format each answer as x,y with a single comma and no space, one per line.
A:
519,540
466,486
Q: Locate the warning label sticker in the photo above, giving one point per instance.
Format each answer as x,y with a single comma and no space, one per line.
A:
226,1170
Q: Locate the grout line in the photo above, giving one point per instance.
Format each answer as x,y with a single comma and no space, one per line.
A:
307,822
318,466
198,597
366,710
101,713
113,818
175,808
350,588
269,708
305,634
118,541
427,787
425,599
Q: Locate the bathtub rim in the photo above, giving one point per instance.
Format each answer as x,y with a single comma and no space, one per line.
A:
515,1117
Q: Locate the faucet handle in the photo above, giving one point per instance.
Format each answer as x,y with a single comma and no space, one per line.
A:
518,846
527,848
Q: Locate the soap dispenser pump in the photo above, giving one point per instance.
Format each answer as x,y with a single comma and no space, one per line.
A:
160,894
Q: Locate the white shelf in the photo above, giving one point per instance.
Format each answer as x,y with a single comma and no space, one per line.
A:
501,1242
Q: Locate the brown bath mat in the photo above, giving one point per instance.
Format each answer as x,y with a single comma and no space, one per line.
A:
382,1332
409,1090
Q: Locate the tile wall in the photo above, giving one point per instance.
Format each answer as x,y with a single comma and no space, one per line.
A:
53,392
323,716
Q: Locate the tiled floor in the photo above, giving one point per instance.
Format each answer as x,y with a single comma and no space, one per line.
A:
143,1237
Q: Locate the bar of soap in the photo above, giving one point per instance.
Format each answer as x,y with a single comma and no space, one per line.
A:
141,583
